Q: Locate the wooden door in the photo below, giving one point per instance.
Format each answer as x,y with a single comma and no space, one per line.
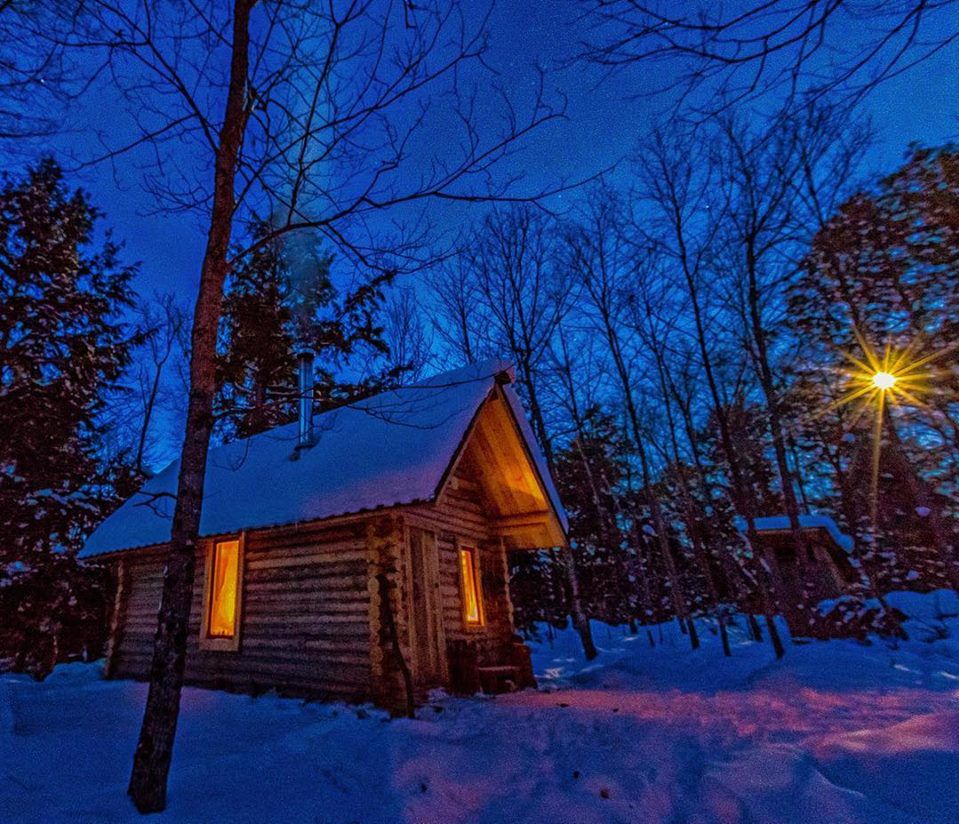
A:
426,630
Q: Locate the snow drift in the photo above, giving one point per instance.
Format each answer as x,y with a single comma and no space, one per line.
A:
838,731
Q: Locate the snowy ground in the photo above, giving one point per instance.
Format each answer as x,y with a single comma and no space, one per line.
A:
837,732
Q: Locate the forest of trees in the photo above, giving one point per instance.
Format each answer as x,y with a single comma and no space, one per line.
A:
694,332
685,348
682,346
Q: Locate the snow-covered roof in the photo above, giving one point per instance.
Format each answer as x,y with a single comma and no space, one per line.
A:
391,449
780,523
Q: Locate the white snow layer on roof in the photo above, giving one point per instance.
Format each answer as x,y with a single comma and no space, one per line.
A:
390,449
775,523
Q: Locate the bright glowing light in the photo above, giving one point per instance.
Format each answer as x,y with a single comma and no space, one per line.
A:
471,593
223,592
883,380
880,377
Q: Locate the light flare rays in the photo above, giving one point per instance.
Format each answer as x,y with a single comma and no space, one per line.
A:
878,380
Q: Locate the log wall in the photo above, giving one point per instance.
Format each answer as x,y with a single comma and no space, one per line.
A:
305,616
460,517
312,619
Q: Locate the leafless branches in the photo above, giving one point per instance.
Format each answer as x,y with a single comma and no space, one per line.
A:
736,52
36,77
344,105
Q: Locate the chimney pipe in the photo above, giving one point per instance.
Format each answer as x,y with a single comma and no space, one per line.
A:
304,363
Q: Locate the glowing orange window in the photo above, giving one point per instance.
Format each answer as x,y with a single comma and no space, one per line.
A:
472,600
223,590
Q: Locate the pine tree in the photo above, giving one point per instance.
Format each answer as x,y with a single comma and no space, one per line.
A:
588,474
63,347
281,297
883,272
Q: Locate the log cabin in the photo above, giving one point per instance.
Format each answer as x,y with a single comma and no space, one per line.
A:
356,554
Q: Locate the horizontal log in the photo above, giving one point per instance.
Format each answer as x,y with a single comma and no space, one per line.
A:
331,645
312,591
304,606
261,540
311,559
337,680
311,620
337,583
306,572
315,671
355,633
261,656
342,542
316,663
316,610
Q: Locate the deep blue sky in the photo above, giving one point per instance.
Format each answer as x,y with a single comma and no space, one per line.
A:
603,124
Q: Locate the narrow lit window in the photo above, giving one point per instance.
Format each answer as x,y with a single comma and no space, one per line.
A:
472,609
222,596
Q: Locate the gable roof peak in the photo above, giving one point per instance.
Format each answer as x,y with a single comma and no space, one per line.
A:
387,450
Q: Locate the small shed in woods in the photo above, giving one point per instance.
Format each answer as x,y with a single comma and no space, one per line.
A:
367,559
823,572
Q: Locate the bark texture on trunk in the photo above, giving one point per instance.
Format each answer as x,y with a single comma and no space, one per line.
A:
776,431
151,762
677,597
580,619
742,497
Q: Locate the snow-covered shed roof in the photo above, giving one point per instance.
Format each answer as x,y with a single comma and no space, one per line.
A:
391,449
780,523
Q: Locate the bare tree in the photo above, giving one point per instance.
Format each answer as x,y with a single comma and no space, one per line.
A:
653,313
680,194
602,256
522,295
774,192
37,80
577,373
792,47
164,323
406,336
315,117
456,321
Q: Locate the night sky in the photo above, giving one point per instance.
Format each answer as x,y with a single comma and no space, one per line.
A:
605,118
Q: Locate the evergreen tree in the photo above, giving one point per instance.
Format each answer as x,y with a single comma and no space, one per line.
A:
63,347
589,471
282,297
539,592
882,273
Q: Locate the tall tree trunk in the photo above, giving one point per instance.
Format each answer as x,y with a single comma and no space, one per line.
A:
151,762
742,498
699,541
694,448
767,384
148,417
659,522
610,536
579,616
609,530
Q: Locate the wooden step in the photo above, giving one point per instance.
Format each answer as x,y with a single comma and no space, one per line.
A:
496,680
